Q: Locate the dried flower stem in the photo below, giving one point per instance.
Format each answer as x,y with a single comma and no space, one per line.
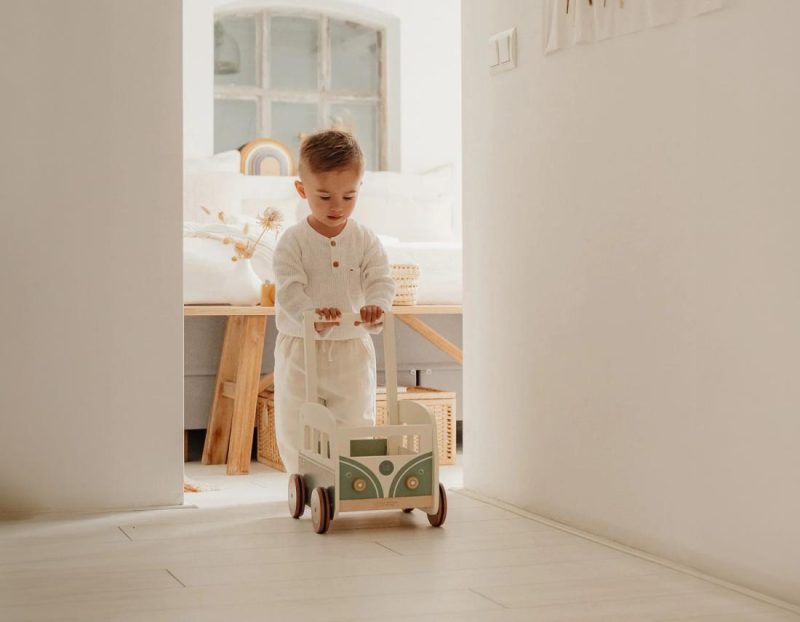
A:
270,220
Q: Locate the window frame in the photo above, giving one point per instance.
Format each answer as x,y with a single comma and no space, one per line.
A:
323,96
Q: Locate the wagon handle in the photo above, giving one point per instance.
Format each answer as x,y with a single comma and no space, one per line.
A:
389,356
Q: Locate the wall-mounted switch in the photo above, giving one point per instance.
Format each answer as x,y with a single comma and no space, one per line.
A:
494,53
504,46
503,50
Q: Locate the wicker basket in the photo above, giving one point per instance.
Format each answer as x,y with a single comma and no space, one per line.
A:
267,443
406,278
441,403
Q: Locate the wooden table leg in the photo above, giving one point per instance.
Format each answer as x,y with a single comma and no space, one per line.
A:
215,450
245,394
267,380
434,337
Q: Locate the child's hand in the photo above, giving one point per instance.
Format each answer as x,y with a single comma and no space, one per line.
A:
331,314
370,315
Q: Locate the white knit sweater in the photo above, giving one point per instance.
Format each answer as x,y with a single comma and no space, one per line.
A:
313,271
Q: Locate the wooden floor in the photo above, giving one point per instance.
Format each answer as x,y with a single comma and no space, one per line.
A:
236,555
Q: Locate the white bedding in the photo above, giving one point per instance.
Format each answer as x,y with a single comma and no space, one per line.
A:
440,267
419,207
207,265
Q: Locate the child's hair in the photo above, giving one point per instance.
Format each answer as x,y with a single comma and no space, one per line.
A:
330,150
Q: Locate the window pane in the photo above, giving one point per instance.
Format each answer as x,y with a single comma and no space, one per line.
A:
355,58
293,53
235,123
290,119
362,121
235,51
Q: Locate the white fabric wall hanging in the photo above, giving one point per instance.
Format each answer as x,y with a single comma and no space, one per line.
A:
568,22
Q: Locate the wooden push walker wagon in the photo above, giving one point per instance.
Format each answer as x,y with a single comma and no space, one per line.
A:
349,469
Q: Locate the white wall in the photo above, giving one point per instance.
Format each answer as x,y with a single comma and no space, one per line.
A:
198,78
424,65
631,212
90,264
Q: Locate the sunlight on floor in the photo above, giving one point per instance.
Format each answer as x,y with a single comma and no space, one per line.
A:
232,551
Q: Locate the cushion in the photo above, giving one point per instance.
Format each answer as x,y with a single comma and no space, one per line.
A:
216,192
410,207
225,162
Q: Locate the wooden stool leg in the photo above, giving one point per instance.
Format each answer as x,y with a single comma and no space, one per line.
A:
245,392
215,450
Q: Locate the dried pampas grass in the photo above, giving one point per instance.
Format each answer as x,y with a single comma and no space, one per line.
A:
270,220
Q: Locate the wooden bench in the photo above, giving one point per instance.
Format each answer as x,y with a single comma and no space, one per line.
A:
229,436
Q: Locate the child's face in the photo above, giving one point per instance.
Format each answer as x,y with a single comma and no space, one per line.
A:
331,196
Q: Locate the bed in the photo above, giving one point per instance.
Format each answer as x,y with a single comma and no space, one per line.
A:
415,216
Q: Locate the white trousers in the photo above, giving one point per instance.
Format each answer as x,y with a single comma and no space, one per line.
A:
346,384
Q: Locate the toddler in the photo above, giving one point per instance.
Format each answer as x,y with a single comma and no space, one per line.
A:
328,264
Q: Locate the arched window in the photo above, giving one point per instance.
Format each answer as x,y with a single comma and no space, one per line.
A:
280,75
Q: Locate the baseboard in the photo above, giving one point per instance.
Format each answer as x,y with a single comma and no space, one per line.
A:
54,515
776,602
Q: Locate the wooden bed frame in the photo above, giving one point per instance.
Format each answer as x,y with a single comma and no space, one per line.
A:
229,437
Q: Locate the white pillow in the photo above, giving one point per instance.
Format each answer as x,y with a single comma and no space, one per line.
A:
217,192
413,208
262,191
405,207
225,162
388,239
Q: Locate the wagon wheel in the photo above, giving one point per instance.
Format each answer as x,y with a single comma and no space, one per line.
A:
437,520
297,496
320,510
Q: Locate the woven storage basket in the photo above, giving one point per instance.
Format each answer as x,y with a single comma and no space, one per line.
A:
267,443
441,403
406,278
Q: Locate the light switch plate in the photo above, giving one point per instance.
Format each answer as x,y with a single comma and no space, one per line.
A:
504,44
